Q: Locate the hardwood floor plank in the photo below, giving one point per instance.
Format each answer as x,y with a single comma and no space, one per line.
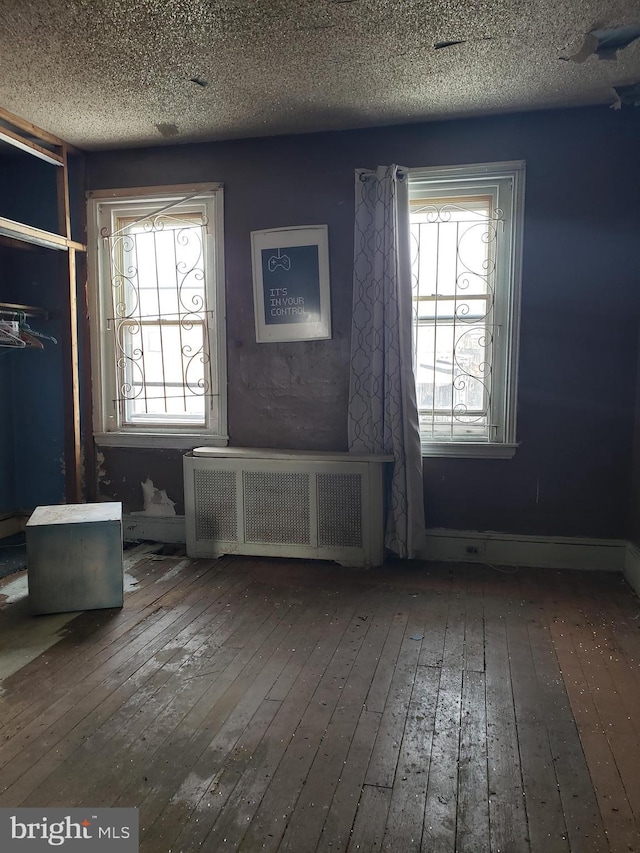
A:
472,594
337,828
472,823
583,819
382,767
439,833
377,695
368,829
507,815
547,828
436,610
406,816
311,809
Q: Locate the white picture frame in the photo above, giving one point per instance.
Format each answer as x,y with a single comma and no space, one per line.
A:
291,288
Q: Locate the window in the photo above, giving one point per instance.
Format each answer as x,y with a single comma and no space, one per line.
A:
466,229
158,317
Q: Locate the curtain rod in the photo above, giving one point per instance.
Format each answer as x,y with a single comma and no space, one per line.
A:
401,174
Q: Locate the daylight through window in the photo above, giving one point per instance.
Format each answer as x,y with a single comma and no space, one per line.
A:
465,231
161,314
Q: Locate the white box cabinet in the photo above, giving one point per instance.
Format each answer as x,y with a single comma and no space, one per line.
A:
319,505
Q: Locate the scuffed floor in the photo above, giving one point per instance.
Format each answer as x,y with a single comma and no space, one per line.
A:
24,637
280,705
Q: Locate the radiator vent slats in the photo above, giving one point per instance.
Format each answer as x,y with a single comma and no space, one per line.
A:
277,508
217,509
339,510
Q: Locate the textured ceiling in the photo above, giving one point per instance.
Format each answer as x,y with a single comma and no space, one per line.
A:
105,73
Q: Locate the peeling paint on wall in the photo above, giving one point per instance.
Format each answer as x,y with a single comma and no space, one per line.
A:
101,473
155,501
120,471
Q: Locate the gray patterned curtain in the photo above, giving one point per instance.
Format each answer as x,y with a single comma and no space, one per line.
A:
383,415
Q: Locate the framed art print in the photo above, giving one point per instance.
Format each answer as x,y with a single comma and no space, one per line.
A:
291,293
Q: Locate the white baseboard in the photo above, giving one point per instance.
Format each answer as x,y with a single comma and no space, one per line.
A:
507,549
444,545
154,528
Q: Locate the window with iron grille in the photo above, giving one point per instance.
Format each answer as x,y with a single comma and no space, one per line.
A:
158,315
466,231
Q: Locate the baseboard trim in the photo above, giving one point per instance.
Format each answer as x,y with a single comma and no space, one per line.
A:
12,525
632,567
445,545
506,549
154,528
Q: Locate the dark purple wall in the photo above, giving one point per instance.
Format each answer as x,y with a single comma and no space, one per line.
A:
571,475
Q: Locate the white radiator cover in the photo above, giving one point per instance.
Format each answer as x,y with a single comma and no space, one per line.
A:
326,506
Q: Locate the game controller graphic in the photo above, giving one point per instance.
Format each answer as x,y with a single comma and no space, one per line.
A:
279,260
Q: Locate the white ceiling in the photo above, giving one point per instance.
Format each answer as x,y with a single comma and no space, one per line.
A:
105,73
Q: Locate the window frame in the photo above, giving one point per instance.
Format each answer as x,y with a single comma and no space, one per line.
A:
506,180
108,204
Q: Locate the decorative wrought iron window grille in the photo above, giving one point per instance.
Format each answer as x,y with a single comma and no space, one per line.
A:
159,317
159,302
465,279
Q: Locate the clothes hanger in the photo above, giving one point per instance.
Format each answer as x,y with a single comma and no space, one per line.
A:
30,340
24,326
9,336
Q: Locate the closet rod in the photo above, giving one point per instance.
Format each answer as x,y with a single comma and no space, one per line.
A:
7,308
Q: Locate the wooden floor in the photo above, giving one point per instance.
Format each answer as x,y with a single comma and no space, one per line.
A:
263,705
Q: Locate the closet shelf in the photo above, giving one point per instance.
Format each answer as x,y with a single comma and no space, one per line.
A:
39,237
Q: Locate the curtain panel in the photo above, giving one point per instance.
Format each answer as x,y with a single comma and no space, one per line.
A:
383,414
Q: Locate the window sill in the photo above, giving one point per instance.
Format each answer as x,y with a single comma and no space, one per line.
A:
469,450
172,441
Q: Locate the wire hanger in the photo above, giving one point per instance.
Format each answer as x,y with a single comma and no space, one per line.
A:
25,327
10,335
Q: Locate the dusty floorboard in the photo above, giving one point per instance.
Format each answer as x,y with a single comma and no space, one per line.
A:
272,705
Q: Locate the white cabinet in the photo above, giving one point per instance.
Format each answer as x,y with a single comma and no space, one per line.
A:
319,505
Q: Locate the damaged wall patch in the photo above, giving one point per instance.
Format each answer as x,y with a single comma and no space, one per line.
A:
155,501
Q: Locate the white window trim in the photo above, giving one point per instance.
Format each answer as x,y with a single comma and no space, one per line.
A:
469,449
506,447
102,372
